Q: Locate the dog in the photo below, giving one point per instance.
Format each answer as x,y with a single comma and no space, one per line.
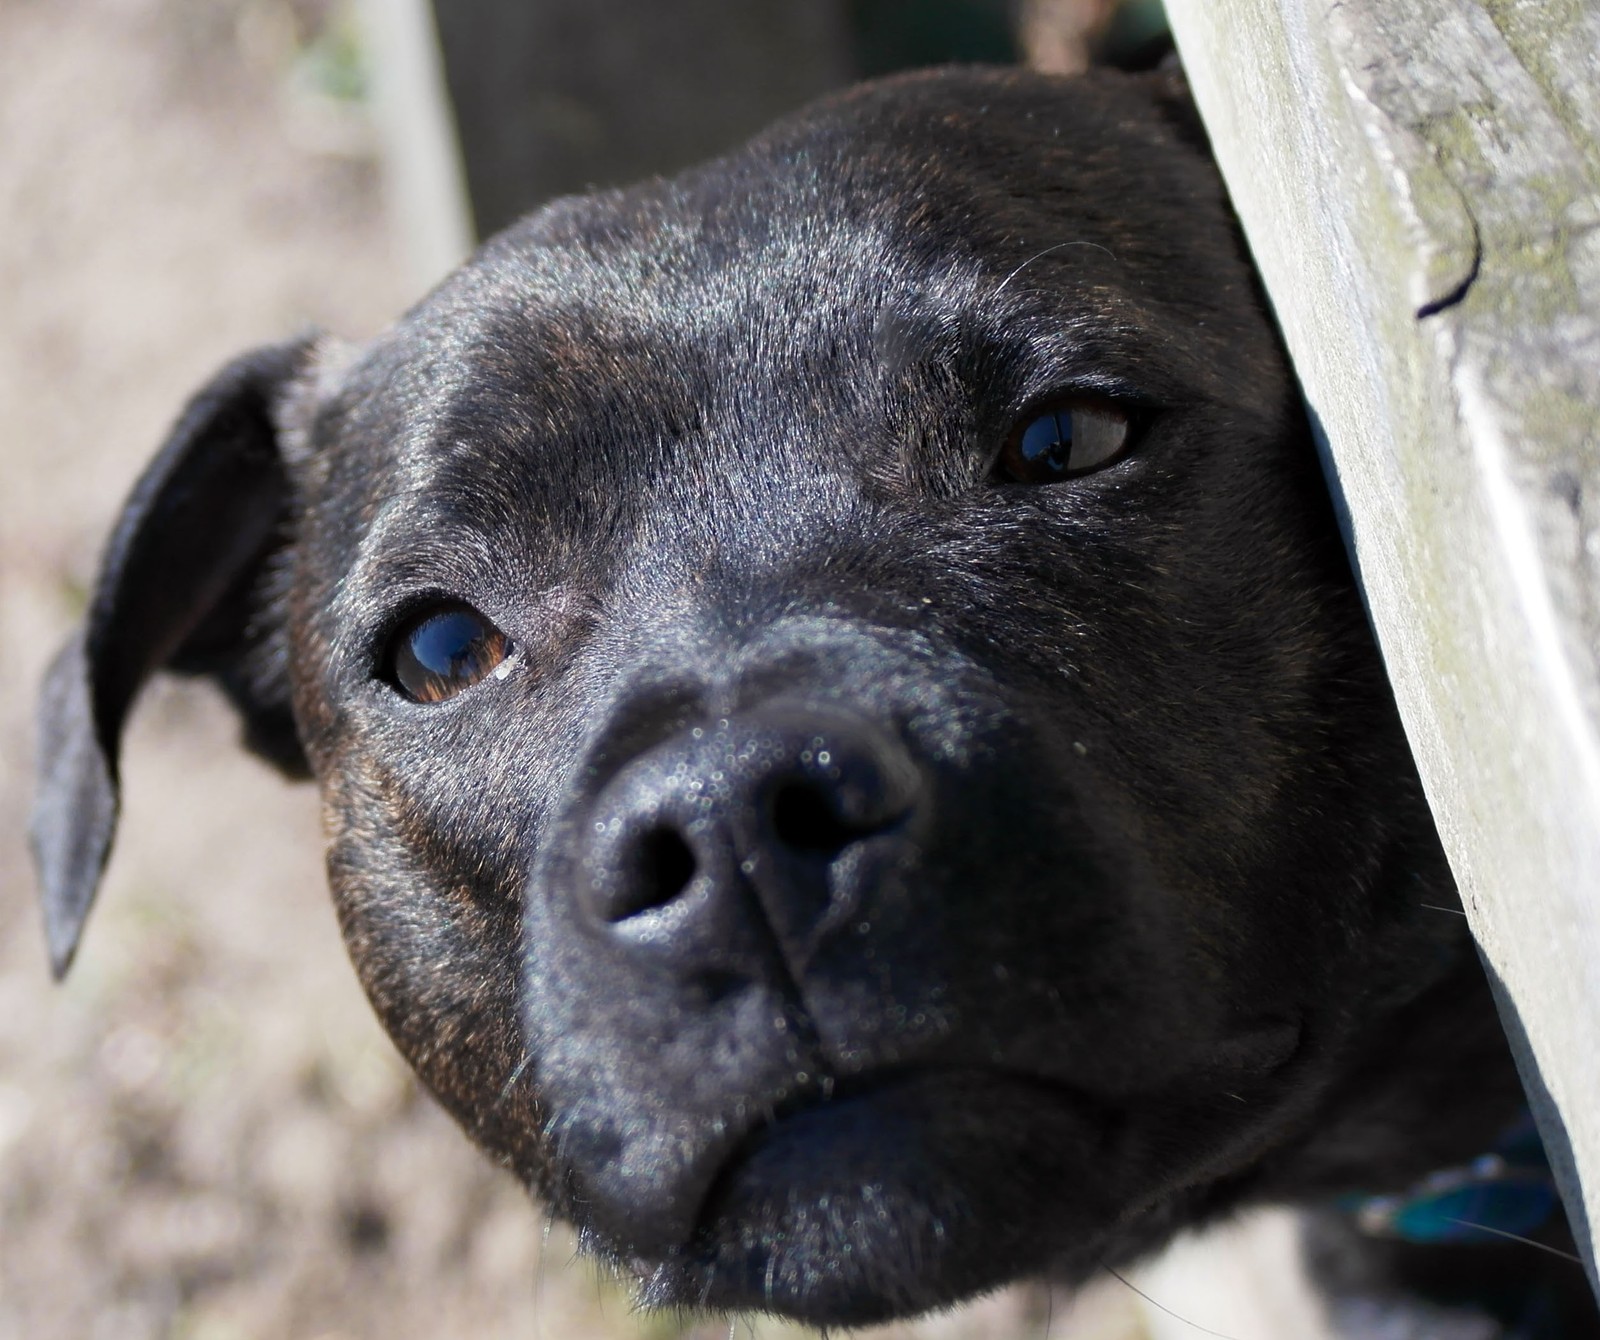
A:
852,756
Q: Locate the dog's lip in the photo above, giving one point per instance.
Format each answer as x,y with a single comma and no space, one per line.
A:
1250,1056
889,1216
838,1096
1260,1048
1110,1135
812,1141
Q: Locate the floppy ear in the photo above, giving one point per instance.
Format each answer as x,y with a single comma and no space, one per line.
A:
184,584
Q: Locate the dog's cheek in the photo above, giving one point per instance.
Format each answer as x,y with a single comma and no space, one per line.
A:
1202,666
430,913
438,957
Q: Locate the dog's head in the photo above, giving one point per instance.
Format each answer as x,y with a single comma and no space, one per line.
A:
852,757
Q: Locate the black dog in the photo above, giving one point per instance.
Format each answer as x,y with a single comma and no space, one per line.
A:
853,756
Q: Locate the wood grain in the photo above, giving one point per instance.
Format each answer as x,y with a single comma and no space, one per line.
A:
1420,183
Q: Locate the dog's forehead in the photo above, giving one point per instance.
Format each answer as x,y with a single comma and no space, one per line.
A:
802,283
918,205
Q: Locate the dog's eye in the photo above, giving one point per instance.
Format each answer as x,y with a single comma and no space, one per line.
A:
442,652
1063,441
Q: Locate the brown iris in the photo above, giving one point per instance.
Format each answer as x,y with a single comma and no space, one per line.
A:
442,652
1062,441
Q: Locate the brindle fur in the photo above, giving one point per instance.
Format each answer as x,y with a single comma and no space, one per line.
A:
1159,932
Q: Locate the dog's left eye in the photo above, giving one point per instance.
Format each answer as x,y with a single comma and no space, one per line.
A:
439,654
1063,441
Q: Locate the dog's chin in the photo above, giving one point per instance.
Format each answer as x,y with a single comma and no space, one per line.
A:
888,1202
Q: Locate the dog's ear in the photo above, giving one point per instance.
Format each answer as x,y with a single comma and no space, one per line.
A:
185,583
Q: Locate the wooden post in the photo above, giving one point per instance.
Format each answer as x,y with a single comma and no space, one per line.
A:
1420,183
416,126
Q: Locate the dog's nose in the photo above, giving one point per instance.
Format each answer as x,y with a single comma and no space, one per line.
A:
745,836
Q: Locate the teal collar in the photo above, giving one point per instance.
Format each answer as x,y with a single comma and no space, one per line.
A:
1508,1192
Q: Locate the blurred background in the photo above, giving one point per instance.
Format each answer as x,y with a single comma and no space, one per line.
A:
203,1134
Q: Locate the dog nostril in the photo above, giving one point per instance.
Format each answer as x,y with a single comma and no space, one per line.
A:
715,986
666,865
803,820
668,862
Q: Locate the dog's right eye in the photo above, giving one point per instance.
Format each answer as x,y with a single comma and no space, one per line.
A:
444,651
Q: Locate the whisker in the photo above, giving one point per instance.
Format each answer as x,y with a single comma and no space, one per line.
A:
517,1074
1517,1237
1434,907
1041,255
1176,1316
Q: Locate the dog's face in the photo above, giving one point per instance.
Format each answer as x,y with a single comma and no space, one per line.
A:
851,754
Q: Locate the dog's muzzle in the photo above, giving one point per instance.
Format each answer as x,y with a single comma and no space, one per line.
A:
815,983
698,933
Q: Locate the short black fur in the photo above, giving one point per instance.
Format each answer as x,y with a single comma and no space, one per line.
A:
865,880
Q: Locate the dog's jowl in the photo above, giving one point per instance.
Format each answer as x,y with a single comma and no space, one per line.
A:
852,756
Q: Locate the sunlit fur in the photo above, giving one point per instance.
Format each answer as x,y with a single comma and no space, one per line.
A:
1146,924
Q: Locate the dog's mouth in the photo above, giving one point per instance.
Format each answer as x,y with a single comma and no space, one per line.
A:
910,1189
897,1194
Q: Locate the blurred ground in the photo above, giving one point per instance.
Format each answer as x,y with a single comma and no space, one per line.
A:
203,1135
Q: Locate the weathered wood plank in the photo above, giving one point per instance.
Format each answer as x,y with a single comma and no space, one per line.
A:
1420,183
423,172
